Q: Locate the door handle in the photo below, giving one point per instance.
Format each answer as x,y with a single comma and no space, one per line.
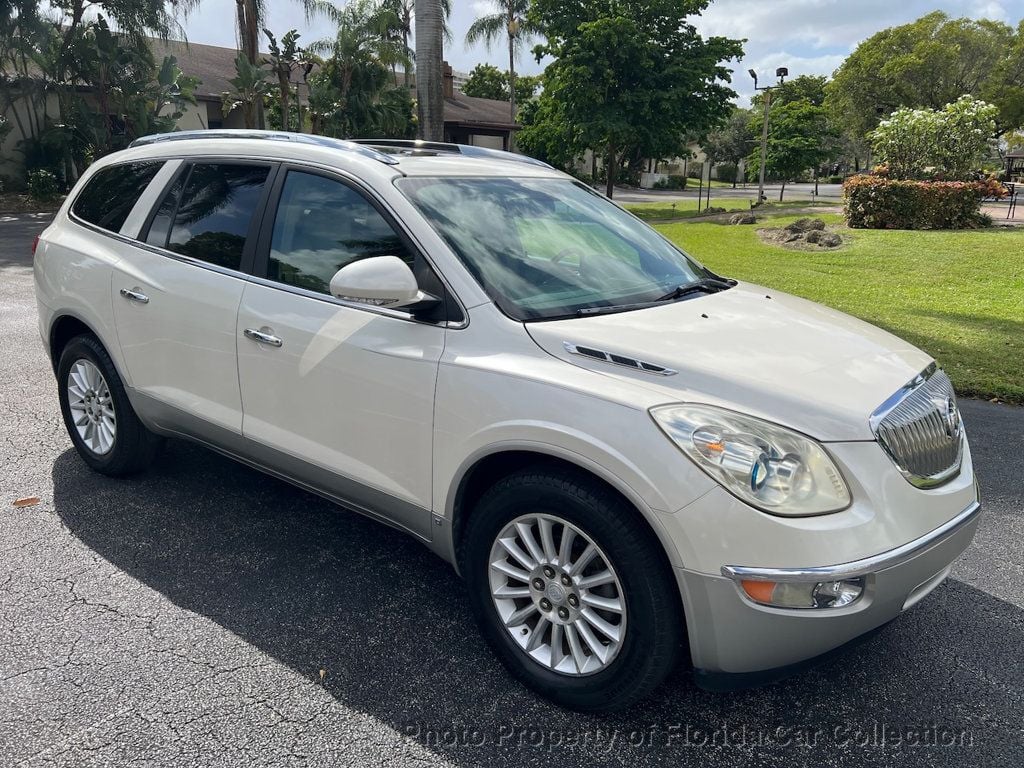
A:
135,296
262,338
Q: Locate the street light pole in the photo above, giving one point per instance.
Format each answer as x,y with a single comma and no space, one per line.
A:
782,73
764,143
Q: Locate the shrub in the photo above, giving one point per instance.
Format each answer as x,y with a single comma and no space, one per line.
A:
873,202
947,143
727,172
42,185
672,181
835,179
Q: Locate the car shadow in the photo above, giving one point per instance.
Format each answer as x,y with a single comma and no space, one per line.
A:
318,588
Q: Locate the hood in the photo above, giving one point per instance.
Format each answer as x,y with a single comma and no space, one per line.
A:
753,350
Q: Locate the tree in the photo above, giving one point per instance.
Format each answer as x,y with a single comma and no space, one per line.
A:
949,143
283,60
251,87
928,64
351,94
628,78
800,136
250,17
512,22
429,88
733,141
405,13
486,81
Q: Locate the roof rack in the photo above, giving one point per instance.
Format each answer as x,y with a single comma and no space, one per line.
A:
295,138
417,145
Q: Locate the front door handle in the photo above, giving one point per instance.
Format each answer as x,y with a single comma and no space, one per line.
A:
262,338
135,296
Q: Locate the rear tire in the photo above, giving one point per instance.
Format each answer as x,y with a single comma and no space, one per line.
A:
635,582
99,417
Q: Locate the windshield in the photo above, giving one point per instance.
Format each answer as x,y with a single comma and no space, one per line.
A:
546,248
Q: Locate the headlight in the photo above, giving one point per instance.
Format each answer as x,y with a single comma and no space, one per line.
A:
770,467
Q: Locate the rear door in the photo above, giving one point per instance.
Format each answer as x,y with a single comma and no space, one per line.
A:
345,389
176,296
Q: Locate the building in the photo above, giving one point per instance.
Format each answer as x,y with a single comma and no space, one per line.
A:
467,120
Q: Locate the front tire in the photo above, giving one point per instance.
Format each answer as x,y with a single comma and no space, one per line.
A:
99,418
571,589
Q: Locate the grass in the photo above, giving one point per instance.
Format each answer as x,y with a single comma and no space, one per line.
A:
957,295
687,209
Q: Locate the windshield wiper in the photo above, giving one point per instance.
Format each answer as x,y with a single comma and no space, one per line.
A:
708,284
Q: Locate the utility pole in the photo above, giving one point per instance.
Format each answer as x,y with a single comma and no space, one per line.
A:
782,73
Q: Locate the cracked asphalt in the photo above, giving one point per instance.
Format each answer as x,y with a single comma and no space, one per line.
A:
205,614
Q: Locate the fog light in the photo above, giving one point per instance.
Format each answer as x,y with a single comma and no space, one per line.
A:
806,595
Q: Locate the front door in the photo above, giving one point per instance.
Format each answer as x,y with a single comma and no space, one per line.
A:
340,395
176,302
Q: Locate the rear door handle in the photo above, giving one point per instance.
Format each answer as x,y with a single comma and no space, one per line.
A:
135,296
262,338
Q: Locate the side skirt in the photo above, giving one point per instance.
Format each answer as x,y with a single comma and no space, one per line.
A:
354,496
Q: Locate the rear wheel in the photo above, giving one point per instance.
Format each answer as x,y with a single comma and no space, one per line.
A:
97,413
570,588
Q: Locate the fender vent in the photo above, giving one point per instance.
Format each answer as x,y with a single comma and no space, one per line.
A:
625,362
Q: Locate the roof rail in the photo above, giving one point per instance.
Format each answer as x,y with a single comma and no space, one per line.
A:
413,145
296,138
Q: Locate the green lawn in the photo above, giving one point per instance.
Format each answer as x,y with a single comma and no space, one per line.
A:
687,209
957,295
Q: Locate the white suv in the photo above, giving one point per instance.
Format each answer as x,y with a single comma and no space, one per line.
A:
625,455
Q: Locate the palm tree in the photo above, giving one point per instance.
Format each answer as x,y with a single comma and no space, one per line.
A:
510,20
429,89
405,11
251,16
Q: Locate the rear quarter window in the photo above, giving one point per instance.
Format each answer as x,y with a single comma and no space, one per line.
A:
110,195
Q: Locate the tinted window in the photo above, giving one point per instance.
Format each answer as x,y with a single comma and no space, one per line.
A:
111,194
161,224
322,225
215,211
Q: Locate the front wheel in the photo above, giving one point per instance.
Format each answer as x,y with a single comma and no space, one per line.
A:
571,590
99,418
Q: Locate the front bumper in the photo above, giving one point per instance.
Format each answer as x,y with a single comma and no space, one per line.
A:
731,634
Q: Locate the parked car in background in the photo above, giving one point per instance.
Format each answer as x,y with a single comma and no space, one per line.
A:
630,459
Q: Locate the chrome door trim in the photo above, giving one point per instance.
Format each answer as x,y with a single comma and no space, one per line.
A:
138,298
262,338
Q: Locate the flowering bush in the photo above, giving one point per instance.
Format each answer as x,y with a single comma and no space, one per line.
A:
873,202
948,143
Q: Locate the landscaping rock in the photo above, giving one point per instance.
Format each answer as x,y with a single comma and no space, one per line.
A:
712,211
813,236
830,240
806,225
743,218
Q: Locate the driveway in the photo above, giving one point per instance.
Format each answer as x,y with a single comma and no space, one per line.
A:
206,614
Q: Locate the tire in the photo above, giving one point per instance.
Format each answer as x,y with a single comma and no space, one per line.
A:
129,447
651,627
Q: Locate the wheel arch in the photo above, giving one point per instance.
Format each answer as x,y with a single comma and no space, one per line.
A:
66,326
483,469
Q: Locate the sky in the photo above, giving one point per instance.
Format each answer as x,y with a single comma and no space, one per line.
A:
808,36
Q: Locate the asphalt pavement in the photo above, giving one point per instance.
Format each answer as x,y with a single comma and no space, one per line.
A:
205,614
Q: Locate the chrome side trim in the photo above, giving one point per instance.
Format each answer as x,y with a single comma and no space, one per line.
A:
863,567
615,359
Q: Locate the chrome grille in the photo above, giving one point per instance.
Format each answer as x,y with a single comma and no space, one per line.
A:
920,428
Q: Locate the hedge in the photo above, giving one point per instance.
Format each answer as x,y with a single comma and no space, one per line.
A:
874,202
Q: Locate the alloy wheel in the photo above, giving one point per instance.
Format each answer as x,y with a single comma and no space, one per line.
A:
92,409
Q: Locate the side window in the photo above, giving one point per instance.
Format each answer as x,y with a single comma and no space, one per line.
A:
160,227
110,195
321,225
217,205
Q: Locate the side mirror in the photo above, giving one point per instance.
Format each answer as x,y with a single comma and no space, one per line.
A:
383,281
